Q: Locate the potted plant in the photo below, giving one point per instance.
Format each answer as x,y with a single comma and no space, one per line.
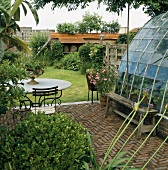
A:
104,79
33,66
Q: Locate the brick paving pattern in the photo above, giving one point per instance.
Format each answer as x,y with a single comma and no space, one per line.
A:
103,130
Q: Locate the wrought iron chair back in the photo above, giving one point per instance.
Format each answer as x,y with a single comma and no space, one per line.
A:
41,95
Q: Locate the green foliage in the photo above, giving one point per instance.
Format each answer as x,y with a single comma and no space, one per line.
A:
45,142
84,52
70,62
97,55
9,14
81,27
31,64
89,23
37,41
92,22
11,56
103,79
57,50
91,55
122,38
66,28
153,7
111,27
84,67
10,75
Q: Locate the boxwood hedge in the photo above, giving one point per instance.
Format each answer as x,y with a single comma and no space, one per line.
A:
55,142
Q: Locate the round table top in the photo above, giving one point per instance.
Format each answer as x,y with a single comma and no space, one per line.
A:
46,83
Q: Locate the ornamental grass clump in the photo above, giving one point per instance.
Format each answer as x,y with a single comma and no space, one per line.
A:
45,142
104,79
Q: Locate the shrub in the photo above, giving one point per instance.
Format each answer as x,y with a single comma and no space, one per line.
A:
71,61
122,38
97,55
45,142
57,50
84,54
37,41
11,56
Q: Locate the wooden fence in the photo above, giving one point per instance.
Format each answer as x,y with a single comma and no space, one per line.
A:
114,54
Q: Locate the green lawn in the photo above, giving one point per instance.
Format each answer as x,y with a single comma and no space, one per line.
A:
77,92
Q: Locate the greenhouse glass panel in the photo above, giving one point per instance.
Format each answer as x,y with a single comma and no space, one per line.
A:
132,67
161,32
122,67
162,74
142,33
156,59
151,22
151,71
140,69
148,60
159,85
162,48
143,45
136,56
151,33
165,25
160,22
130,54
134,45
147,57
165,61
152,45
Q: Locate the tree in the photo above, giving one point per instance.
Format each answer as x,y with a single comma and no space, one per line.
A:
66,28
92,22
37,41
111,27
153,7
9,15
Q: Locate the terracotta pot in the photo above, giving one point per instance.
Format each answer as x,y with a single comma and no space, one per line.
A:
103,101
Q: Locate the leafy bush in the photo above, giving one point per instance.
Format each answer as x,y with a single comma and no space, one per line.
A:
84,52
37,41
122,38
45,142
91,55
57,50
70,62
11,56
66,28
10,76
97,55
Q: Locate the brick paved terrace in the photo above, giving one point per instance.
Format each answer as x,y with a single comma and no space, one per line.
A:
103,130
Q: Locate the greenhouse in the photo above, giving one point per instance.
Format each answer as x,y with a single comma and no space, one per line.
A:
147,63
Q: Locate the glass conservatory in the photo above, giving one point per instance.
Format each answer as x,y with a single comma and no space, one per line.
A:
147,64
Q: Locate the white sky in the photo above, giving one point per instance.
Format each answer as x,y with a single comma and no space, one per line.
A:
49,19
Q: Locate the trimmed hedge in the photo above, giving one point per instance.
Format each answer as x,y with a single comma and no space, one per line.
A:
45,142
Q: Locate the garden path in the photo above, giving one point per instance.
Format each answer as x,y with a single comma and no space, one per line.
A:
103,130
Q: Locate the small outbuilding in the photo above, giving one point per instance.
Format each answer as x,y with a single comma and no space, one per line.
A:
72,42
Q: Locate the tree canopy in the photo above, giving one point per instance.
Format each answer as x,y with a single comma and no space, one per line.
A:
90,23
152,7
